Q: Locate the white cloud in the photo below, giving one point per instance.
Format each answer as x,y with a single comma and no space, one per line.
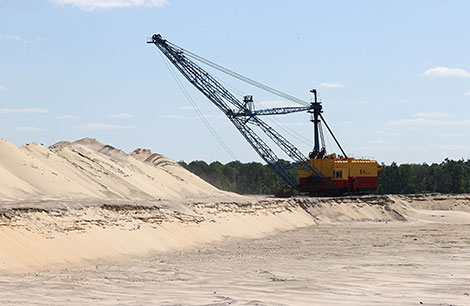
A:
103,126
448,135
207,116
274,104
28,129
467,93
122,116
432,115
429,122
332,85
22,110
90,5
450,146
2,87
66,117
378,141
14,37
171,117
384,132
447,72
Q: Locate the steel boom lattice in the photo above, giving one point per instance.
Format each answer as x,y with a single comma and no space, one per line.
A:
242,115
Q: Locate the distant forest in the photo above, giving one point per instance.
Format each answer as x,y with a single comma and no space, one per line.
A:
255,178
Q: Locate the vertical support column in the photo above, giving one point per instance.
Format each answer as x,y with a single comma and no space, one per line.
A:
317,110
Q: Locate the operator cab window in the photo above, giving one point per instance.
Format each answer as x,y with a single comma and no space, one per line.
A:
339,174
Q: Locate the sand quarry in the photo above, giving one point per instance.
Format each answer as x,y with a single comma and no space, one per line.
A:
85,223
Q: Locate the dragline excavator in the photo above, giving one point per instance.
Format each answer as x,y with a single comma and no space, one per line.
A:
320,173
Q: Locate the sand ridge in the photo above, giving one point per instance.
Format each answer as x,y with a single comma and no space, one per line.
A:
89,169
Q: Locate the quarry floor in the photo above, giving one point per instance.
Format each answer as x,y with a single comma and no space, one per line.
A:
397,263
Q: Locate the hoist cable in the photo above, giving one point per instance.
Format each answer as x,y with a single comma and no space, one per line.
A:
239,76
198,111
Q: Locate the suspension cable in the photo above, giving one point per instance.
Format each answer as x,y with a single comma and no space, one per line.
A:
196,108
240,77
333,135
273,119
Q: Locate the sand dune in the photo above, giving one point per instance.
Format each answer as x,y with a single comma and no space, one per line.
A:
89,169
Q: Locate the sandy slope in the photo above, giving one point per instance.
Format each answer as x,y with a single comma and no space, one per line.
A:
392,250
89,169
41,238
84,204
57,234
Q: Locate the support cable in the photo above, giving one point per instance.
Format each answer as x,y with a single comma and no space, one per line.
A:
239,76
198,111
336,140
273,120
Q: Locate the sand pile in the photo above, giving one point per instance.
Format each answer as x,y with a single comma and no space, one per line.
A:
89,169
82,203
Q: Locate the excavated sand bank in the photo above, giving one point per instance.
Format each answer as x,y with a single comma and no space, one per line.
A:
56,235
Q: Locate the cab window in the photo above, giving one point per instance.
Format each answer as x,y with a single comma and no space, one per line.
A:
339,174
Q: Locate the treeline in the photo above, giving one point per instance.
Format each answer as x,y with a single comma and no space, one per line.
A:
243,178
448,176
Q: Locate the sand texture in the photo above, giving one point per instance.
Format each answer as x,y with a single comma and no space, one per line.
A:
360,264
88,169
369,250
85,223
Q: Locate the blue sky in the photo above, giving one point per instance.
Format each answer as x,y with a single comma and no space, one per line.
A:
394,76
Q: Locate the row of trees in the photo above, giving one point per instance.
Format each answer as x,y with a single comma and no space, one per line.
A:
447,177
243,178
255,178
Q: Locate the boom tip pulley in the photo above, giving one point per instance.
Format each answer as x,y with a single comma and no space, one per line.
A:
155,39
